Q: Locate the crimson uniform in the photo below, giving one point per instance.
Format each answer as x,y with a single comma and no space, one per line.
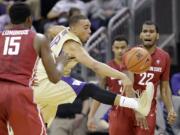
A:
159,71
17,60
121,120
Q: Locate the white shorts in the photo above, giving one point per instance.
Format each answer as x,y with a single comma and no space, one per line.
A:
48,95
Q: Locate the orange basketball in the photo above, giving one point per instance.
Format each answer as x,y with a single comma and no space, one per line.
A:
137,60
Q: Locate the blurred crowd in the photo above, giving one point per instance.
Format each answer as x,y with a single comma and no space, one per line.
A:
49,12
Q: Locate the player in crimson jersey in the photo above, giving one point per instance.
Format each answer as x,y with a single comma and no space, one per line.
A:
118,123
120,45
19,50
119,113
158,74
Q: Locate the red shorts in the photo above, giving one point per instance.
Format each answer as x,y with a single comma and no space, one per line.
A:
18,109
151,120
121,121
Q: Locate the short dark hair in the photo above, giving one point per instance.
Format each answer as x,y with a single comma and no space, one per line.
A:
151,23
19,12
72,10
74,19
120,38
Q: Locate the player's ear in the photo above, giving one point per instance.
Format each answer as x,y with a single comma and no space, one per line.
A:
29,21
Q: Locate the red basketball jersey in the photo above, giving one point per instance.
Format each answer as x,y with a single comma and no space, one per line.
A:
159,71
17,55
115,85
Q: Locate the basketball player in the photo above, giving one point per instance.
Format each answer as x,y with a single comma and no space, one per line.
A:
70,41
118,114
19,50
158,74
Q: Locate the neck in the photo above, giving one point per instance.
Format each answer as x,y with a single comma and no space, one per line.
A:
75,34
18,26
151,49
118,61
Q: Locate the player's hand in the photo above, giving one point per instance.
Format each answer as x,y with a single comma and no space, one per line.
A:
127,85
171,117
91,124
78,120
141,121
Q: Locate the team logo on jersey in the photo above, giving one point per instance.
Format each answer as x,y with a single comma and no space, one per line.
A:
76,82
158,62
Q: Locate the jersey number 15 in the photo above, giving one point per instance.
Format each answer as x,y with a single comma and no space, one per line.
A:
11,46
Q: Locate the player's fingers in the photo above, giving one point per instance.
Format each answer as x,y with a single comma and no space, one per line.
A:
145,124
91,126
141,124
137,122
171,120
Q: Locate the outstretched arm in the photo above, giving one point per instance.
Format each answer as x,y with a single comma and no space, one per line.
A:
167,99
76,50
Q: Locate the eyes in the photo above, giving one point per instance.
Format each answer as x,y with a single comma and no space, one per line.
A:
150,31
86,28
117,48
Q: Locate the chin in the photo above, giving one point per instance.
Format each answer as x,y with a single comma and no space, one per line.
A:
148,45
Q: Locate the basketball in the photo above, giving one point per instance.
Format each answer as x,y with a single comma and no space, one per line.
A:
137,60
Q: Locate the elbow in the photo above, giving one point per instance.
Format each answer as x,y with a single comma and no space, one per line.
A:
50,15
54,79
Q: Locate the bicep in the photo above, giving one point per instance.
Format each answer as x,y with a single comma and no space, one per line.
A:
81,55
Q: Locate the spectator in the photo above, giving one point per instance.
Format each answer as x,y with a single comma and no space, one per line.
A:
100,11
62,8
4,18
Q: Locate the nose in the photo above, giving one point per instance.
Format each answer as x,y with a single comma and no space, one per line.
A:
89,31
147,33
120,50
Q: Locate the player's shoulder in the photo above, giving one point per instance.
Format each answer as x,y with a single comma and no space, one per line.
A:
40,37
162,52
55,30
70,43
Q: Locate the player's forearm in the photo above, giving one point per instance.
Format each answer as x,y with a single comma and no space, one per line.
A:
94,107
52,14
106,70
167,98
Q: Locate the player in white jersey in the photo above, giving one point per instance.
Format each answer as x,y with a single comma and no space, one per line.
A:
70,41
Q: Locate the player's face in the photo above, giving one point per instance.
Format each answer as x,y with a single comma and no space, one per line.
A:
149,35
83,30
119,48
